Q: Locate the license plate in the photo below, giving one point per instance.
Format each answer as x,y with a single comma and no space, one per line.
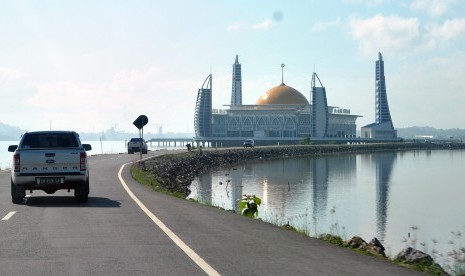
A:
50,180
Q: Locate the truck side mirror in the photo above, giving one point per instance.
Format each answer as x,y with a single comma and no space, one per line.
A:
12,148
87,147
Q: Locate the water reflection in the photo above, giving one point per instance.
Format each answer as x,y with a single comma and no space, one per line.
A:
298,190
384,163
370,195
320,188
283,187
292,190
205,186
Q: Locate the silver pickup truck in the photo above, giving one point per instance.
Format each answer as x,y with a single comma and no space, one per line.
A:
50,161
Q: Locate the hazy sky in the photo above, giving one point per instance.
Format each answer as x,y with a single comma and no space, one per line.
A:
92,65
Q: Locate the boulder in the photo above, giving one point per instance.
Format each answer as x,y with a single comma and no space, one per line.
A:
357,242
414,256
375,247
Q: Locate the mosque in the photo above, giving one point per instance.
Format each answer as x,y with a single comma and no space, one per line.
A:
281,115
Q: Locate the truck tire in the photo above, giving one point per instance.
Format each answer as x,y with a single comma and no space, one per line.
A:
144,151
17,193
82,198
81,193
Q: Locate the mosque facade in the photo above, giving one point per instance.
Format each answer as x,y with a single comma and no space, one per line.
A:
281,114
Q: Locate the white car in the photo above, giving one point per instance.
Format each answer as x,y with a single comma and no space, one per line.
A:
249,143
137,145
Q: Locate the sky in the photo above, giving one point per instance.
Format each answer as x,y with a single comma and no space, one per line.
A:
91,65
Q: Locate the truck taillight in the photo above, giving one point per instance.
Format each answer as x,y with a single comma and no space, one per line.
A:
16,161
83,158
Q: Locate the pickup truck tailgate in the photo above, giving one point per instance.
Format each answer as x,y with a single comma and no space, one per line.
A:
49,162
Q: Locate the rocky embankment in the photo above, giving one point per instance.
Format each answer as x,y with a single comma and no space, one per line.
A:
176,172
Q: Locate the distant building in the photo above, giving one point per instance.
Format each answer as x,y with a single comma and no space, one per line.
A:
280,114
383,126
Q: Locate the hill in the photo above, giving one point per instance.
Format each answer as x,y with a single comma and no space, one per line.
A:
434,133
10,133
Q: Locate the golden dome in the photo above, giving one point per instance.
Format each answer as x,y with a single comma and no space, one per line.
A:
282,94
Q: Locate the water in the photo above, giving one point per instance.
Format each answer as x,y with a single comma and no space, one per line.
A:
413,198
103,147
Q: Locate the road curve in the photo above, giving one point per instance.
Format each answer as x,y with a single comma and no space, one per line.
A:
111,234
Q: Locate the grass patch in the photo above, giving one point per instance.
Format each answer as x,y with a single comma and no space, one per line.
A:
289,227
332,239
431,269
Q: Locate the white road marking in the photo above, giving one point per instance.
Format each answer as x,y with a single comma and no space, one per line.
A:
9,215
184,247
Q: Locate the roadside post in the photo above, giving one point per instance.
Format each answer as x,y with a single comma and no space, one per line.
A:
140,122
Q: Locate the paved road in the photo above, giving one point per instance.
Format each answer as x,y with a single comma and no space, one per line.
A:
112,235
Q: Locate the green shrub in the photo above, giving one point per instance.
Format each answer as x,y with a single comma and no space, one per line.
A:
248,205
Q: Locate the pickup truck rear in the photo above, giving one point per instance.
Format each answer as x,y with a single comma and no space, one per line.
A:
137,145
50,161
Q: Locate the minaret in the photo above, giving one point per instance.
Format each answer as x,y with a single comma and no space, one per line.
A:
203,110
236,95
382,127
382,108
319,116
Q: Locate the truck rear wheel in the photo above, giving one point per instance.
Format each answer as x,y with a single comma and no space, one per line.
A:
82,198
17,193
81,193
